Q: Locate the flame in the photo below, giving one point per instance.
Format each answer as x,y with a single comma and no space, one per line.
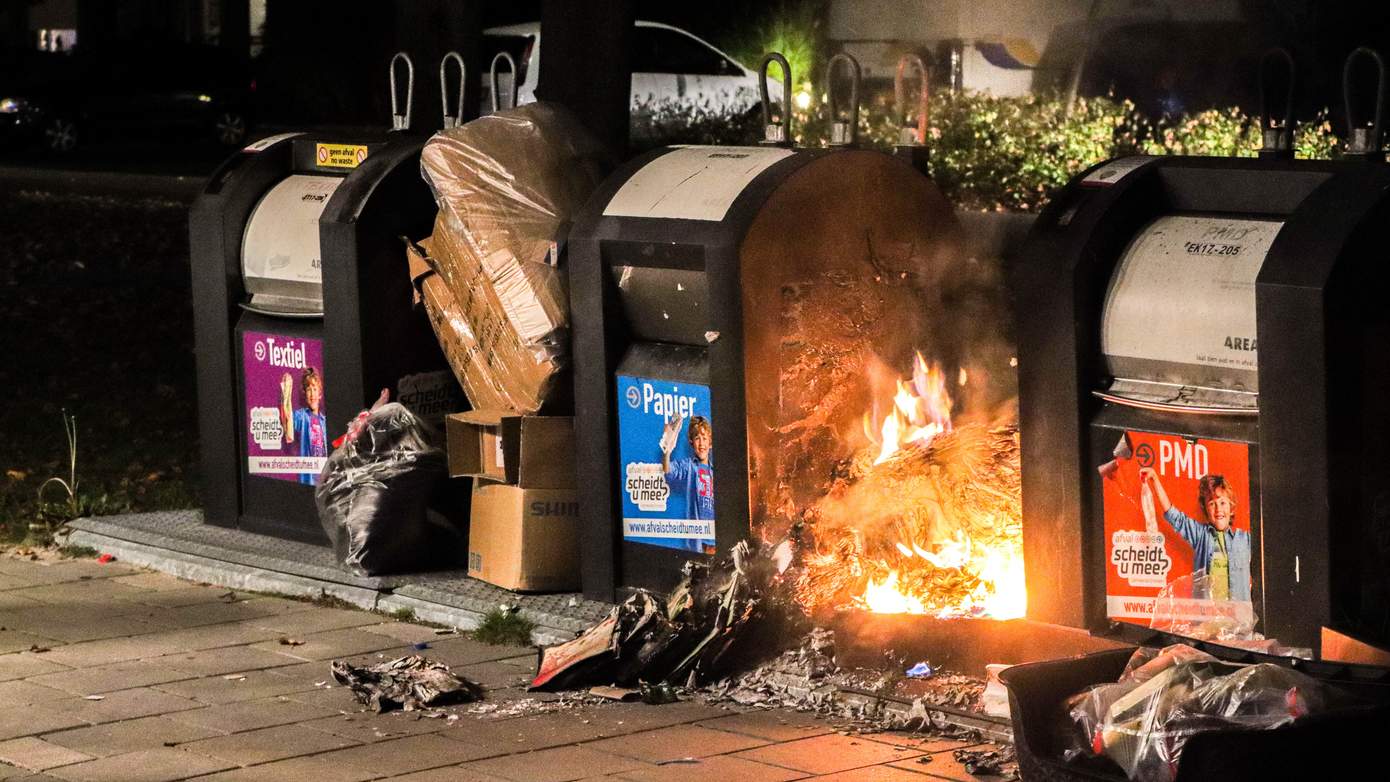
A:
931,525
920,411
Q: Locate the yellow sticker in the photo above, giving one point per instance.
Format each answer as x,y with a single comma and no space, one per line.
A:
340,155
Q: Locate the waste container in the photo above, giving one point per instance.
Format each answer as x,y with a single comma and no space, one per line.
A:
303,313
690,271
1221,323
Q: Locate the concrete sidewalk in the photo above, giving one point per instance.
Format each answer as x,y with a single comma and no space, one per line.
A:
112,673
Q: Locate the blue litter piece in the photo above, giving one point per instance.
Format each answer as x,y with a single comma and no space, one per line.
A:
920,671
420,647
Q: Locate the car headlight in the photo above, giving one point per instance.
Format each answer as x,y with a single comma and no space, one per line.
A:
13,105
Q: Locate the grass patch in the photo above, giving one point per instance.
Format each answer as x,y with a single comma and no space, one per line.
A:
402,614
504,628
77,552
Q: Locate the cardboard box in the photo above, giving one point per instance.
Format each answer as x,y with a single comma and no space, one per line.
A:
526,451
525,540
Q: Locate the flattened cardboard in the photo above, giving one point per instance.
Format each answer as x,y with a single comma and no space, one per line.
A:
525,540
531,452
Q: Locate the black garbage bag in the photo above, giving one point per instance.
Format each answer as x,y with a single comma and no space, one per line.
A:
374,492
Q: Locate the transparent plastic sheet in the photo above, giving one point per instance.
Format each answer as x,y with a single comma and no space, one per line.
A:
507,185
373,493
1164,697
1235,627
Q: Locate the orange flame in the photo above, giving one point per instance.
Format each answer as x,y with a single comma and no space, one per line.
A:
956,566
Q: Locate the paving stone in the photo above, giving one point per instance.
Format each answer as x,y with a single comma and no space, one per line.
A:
677,742
369,727
118,738
12,582
20,665
523,734
132,703
12,772
24,693
559,764
42,573
619,719
185,595
91,654
724,768
774,725
9,601
448,774
36,719
406,632
216,636
333,697
251,715
77,623
498,674
413,753
231,659
335,644
16,641
97,591
107,678
147,765
267,744
457,650
827,754
919,742
943,765
251,685
875,774
38,755
206,613
152,581
314,619
314,768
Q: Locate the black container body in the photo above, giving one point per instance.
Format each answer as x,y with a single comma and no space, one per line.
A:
1322,480
371,335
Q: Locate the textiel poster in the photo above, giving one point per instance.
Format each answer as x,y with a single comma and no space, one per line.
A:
666,453
286,429
1175,507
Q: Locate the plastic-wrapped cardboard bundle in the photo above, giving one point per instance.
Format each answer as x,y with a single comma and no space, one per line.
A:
506,185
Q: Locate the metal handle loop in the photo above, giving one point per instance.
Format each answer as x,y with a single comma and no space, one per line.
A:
401,121
496,85
1357,141
779,132
1276,135
456,119
843,133
906,65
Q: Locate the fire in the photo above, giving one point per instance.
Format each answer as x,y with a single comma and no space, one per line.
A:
928,519
920,411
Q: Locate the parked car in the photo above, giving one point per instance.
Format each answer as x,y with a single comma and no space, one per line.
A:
62,99
669,67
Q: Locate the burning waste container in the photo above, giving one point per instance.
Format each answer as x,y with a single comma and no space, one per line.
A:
303,313
1202,374
731,308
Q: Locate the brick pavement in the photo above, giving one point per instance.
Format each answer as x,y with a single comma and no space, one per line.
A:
114,674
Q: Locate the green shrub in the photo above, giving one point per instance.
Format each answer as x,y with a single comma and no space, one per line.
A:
992,153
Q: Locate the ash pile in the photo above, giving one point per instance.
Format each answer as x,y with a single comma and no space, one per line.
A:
732,633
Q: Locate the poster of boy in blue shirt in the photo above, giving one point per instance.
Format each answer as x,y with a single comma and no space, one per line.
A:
1217,547
691,479
307,425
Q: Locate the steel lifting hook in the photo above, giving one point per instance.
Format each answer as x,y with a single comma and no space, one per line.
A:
401,121
455,119
1276,135
909,136
1363,141
496,85
843,132
776,132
